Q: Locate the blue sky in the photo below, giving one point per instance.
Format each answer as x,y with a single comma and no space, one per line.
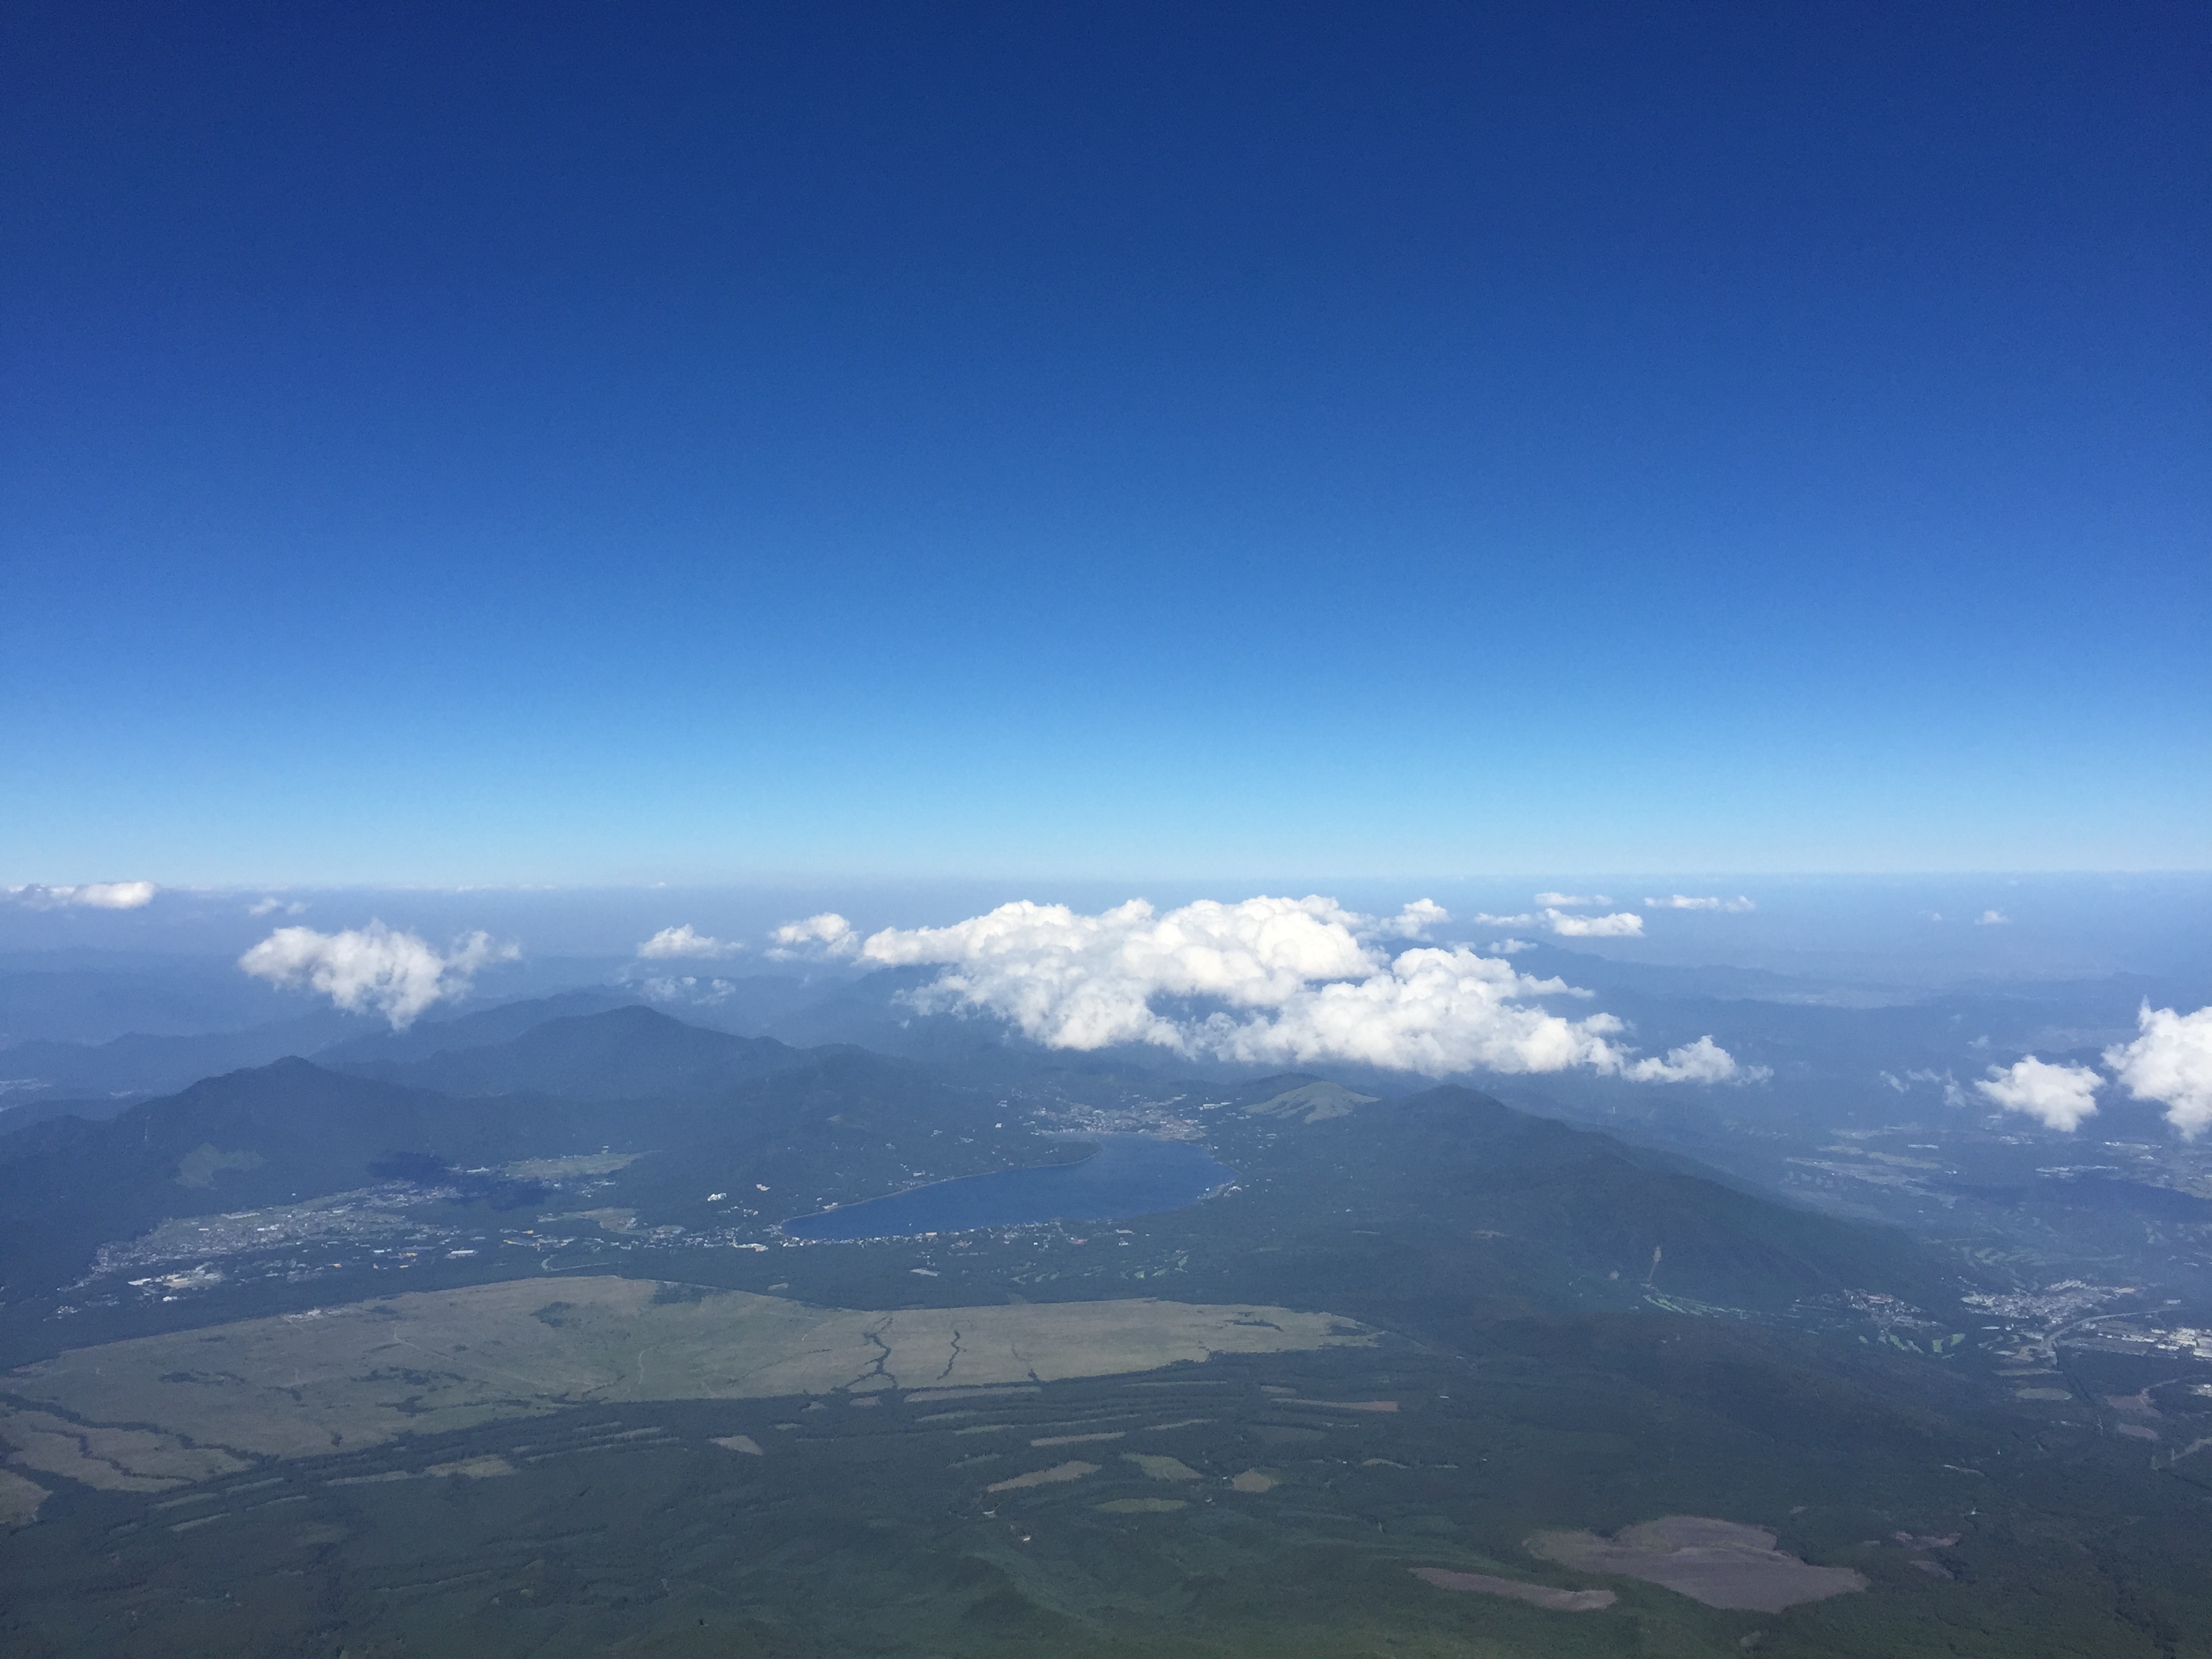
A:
547,444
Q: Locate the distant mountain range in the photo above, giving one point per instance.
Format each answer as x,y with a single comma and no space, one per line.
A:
1381,1203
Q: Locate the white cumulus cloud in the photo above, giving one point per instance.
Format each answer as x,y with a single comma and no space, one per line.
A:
93,895
1736,906
1268,982
826,935
1993,919
2170,1061
2058,1097
269,906
1578,901
1416,919
397,973
1623,924
1702,1061
685,941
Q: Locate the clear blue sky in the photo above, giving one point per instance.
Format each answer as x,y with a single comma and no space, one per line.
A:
601,444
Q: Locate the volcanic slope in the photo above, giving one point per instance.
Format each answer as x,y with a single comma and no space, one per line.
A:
622,1054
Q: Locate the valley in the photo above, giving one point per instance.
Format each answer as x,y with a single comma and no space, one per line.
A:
1409,1335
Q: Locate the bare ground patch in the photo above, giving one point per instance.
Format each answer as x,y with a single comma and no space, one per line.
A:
1158,1467
1719,1563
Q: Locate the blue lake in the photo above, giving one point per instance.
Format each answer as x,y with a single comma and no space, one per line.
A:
1130,1174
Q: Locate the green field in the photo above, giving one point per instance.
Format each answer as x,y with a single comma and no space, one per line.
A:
1242,1507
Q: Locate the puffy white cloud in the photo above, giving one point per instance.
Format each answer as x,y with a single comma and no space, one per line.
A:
1736,906
1508,947
2170,1061
1624,924
1580,901
1416,919
2058,1097
685,941
1268,982
1702,1061
826,935
94,894
397,973
269,906
1993,919
1082,982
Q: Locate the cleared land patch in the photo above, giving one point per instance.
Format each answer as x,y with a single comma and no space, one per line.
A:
928,1397
1143,1505
302,1385
1051,1476
1158,1467
1314,1102
559,1169
472,1469
1719,1563
1255,1480
113,1459
20,1499
1542,1595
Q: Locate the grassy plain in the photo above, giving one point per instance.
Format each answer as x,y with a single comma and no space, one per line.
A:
628,1525
1538,1386
302,1385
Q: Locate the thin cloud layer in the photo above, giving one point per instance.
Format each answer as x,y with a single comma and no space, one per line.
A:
1623,924
2170,1062
94,895
676,943
1736,906
2058,1097
396,974
1266,981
